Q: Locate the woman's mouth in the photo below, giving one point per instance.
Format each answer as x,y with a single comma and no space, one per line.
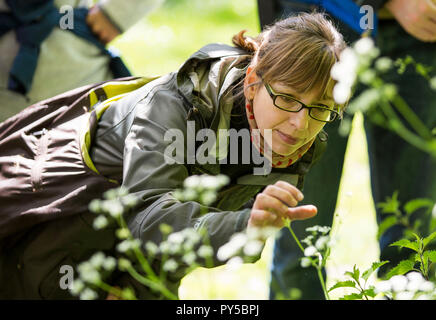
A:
287,138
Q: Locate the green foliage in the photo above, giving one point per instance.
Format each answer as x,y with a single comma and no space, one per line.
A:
359,283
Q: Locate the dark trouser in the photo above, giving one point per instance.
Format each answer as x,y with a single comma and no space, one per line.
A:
394,165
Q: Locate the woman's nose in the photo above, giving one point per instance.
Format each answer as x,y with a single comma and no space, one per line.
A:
300,119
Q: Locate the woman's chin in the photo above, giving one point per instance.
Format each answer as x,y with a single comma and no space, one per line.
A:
284,150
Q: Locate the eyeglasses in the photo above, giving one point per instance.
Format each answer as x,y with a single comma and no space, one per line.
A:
288,103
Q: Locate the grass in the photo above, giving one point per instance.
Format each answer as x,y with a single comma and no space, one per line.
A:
160,43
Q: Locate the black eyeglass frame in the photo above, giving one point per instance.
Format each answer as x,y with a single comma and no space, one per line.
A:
274,96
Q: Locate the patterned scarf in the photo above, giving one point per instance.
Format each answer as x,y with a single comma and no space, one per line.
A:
276,160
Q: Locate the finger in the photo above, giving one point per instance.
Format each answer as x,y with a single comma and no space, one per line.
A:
261,218
302,212
269,203
282,194
291,188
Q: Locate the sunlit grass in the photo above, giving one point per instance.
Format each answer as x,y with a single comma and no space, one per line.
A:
159,44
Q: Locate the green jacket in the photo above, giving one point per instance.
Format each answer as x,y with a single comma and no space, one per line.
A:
123,141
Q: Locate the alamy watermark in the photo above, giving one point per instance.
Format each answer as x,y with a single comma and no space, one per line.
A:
367,20
182,150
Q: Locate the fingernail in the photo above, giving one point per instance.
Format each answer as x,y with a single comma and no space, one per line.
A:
300,197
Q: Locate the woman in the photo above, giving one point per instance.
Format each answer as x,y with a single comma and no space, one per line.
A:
59,154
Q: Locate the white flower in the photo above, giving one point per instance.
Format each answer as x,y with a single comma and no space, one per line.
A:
208,182
253,247
383,286
399,283
364,45
234,263
404,295
97,260
113,207
192,182
100,222
226,251
151,248
322,242
415,280
176,237
306,262
310,251
426,286
170,265
433,212
109,263
88,294
205,251
77,287
189,258
341,92
383,64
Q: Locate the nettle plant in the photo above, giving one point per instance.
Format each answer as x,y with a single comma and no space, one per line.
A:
156,265
361,64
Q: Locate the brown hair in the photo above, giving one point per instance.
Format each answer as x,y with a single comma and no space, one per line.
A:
298,52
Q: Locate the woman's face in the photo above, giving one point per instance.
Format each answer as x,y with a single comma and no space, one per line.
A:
290,130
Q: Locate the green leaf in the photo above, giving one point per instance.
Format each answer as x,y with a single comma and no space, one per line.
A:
353,296
431,255
343,284
355,274
429,239
391,205
370,292
415,204
373,268
404,243
386,224
402,268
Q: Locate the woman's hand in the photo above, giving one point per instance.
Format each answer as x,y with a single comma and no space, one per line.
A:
418,17
100,25
278,202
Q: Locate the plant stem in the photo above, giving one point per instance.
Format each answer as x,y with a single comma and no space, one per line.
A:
321,280
151,284
318,269
411,117
397,126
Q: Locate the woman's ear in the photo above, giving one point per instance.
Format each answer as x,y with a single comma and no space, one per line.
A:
249,83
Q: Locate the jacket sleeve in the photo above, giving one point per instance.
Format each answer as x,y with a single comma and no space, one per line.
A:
125,13
147,175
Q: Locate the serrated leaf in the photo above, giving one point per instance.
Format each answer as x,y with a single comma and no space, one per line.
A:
385,225
343,284
355,274
391,205
370,292
404,243
352,296
429,239
431,255
373,268
415,204
402,268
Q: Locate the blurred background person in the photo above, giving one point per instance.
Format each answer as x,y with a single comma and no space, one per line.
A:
400,28
48,47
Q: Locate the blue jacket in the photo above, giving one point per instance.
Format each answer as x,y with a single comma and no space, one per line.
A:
349,12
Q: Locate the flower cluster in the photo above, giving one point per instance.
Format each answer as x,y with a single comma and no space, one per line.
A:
412,286
91,274
318,244
201,188
180,249
245,246
354,62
